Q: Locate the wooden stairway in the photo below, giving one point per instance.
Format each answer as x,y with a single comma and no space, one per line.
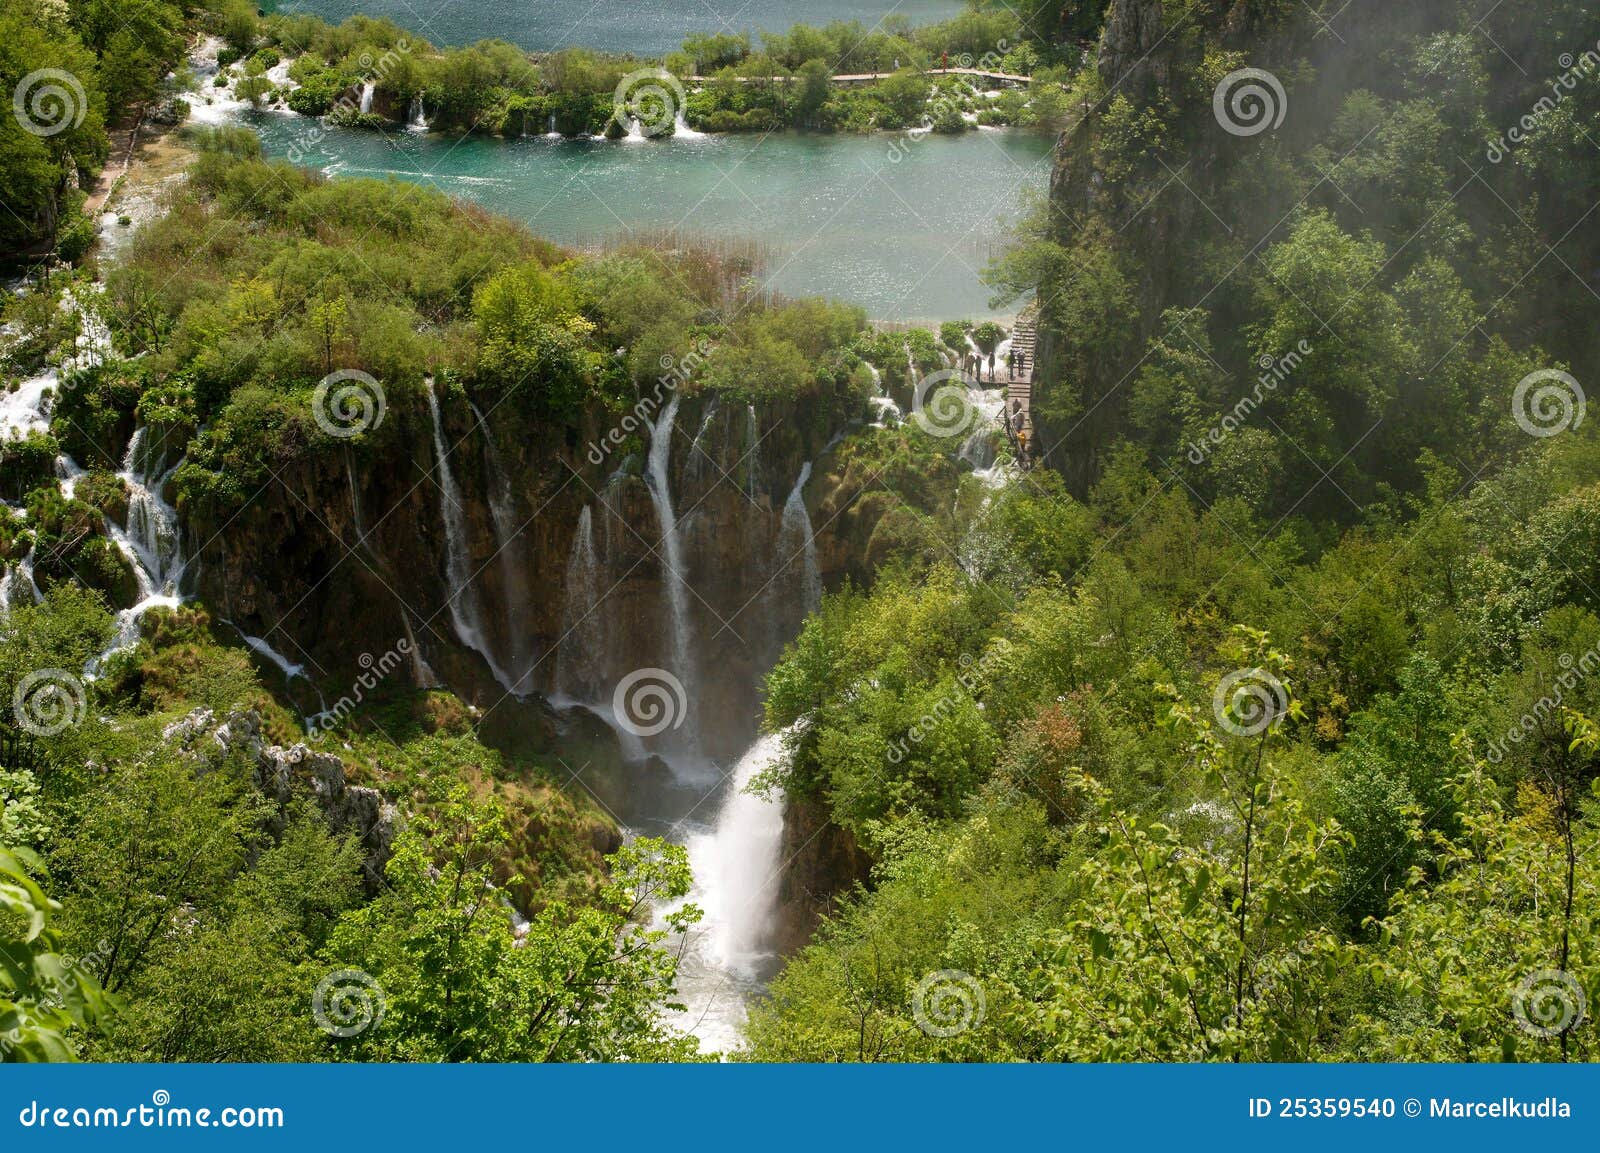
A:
1019,389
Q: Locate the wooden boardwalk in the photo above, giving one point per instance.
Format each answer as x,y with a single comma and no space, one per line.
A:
874,77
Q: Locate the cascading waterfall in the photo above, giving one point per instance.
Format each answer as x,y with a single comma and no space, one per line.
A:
152,531
672,546
580,664
18,581
502,511
417,119
466,613
797,541
152,543
367,90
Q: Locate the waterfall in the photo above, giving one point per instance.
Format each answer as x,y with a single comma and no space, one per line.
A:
466,614
550,126
366,97
421,673
580,662
417,119
978,449
752,433
700,461
357,521
18,580
672,547
796,540
152,531
736,863
151,543
507,533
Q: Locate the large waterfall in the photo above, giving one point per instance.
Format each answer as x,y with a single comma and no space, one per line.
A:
674,578
737,861
466,610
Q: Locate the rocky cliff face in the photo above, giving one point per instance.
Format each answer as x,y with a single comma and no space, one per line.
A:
281,773
341,559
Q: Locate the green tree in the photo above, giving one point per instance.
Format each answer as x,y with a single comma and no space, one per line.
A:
583,982
44,996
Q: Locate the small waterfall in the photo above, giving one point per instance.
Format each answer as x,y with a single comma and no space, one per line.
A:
550,126
681,128
151,543
68,472
417,119
797,541
357,520
367,90
675,577
421,673
978,449
581,667
152,531
18,580
507,533
752,434
26,409
700,461
466,613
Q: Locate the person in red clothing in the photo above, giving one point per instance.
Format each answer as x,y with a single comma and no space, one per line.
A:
944,61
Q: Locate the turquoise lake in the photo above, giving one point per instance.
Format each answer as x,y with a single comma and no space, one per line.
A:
902,226
649,29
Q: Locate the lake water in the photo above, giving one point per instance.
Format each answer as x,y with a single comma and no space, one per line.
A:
642,27
902,226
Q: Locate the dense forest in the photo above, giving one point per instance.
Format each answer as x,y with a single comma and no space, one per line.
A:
1251,716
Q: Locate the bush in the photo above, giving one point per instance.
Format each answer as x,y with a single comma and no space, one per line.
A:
74,241
27,462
